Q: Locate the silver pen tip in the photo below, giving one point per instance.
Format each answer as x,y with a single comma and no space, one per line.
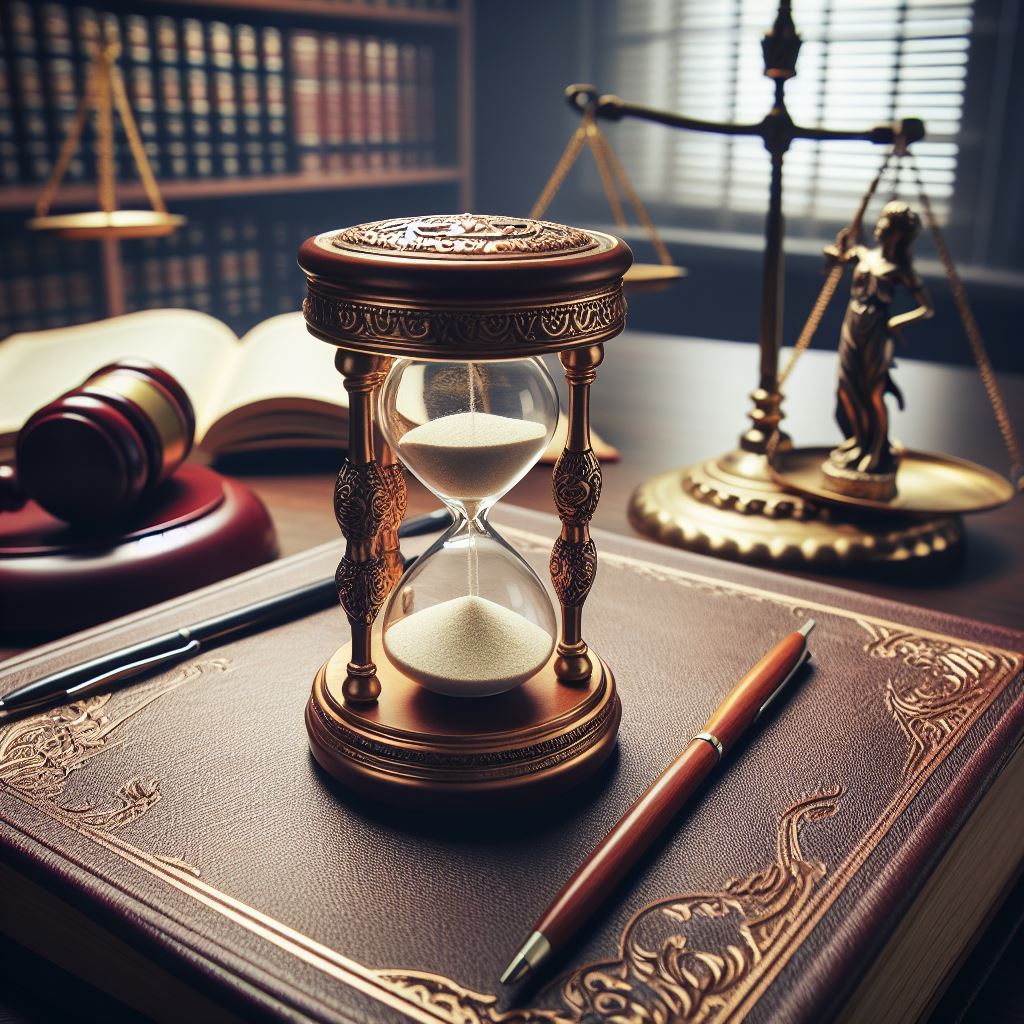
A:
805,629
535,949
516,971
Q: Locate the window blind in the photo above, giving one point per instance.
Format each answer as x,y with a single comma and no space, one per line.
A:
861,64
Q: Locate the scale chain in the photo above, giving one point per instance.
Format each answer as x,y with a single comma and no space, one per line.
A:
613,177
974,338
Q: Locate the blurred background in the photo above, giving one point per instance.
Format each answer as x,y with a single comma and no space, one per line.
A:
269,120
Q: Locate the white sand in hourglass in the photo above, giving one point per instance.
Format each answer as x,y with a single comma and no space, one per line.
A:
472,455
468,647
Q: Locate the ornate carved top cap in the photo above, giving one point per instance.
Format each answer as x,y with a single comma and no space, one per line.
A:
465,235
464,286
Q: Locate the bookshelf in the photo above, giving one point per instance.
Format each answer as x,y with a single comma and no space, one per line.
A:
265,121
23,197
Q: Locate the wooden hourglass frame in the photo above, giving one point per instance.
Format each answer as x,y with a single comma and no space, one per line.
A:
467,288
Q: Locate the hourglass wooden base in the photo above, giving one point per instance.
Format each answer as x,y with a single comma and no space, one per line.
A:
414,746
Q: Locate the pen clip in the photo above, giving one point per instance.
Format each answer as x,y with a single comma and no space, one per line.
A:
132,668
803,659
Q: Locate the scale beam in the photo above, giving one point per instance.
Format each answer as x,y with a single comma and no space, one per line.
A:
614,108
777,130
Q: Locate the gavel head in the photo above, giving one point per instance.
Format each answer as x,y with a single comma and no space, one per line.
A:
91,454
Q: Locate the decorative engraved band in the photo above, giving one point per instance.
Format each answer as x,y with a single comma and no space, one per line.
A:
495,333
710,737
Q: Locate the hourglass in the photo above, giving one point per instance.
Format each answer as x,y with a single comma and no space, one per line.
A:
469,687
469,431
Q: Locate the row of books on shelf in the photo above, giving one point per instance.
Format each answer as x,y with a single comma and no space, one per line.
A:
226,266
213,97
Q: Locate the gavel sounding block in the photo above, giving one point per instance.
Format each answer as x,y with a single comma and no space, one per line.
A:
198,527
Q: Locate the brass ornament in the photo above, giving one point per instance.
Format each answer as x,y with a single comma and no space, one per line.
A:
443,333
465,234
363,587
709,509
865,464
364,500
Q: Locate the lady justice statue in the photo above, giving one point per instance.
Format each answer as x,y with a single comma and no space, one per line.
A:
865,464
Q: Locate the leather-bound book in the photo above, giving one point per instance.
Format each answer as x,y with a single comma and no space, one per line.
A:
175,844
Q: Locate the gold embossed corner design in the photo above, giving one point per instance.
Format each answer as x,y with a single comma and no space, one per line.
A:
938,688
38,755
465,235
685,958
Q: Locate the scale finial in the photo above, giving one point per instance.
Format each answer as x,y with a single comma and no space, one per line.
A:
781,45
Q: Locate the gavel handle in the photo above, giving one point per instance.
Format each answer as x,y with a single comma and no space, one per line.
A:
12,497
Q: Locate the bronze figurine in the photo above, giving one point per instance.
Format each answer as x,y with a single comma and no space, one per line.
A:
865,463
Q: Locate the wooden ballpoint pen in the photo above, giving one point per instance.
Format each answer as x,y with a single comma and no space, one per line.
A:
652,812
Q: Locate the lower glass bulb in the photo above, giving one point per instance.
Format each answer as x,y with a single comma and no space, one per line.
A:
471,618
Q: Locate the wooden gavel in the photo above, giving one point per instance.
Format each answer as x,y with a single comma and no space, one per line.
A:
90,455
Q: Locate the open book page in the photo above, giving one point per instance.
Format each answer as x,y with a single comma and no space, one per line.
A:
283,385
36,367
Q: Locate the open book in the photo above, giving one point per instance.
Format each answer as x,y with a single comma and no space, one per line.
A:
275,387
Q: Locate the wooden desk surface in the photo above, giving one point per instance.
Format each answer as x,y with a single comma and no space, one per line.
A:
666,402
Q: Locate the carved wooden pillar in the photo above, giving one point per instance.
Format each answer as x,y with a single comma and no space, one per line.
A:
366,499
576,483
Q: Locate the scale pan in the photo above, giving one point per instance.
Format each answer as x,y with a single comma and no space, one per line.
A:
927,484
651,277
117,224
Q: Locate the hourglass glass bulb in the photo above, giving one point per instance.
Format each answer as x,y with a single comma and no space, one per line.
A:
469,431
471,618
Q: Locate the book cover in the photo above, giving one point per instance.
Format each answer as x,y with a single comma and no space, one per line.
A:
304,61
62,91
171,107
275,103
136,63
35,140
227,145
184,816
199,109
427,106
10,170
250,102
355,103
332,103
373,92
408,99
391,104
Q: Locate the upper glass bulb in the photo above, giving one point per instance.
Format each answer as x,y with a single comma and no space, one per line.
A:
469,431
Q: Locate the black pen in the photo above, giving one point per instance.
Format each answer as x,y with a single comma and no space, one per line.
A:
138,659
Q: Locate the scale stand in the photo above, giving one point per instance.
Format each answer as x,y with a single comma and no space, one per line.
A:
730,506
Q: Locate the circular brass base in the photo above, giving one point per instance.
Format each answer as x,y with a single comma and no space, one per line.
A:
414,746
730,507
927,484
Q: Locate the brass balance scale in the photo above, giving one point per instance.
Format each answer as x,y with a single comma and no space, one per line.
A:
867,501
105,95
